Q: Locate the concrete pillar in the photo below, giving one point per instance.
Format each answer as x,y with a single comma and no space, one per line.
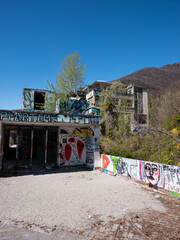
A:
97,157
17,148
58,142
46,142
31,153
145,101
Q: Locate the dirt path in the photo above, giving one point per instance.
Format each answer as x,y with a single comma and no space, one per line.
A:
89,204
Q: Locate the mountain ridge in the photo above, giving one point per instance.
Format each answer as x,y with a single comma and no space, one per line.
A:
161,79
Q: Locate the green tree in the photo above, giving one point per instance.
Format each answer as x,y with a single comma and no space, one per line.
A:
110,97
116,104
70,76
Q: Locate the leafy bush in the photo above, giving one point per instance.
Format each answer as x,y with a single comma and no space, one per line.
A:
154,148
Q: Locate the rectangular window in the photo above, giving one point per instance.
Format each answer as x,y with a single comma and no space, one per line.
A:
39,100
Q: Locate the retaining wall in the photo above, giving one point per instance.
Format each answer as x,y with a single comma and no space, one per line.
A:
155,174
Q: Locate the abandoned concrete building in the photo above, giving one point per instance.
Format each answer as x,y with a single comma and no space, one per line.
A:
139,107
136,95
35,137
92,93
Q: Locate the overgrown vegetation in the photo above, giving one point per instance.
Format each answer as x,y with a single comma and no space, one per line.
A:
115,104
162,141
154,148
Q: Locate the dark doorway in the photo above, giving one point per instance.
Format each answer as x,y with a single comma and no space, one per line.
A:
52,146
10,146
24,147
38,147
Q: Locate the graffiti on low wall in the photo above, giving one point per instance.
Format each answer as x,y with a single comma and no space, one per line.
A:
155,174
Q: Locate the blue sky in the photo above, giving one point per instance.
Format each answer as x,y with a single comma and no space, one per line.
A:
114,37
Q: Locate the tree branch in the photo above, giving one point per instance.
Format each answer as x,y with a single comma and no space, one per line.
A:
177,109
163,131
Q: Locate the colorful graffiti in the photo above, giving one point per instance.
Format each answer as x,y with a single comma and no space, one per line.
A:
90,142
30,104
155,174
72,150
96,139
72,106
84,131
77,146
28,99
19,116
152,173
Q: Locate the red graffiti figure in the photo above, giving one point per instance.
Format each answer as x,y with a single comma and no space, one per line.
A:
80,147
105,162
72,140
61,156
61,159
68,151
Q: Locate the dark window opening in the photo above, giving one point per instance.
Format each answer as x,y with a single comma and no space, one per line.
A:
141,118
39,101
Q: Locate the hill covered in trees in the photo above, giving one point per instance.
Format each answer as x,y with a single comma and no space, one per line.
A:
162,141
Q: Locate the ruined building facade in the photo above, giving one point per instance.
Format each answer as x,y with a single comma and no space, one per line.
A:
36,137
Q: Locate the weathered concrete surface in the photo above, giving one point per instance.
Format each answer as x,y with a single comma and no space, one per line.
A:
55,204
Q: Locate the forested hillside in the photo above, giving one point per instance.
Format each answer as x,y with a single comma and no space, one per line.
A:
161,143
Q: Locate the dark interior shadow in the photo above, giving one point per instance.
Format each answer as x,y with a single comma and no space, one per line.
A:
43,171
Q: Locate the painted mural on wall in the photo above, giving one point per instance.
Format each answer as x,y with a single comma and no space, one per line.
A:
76,146
72,150
20,116
28,99
155,174
96,139
50,102
84,131
90,142
72,106
30,102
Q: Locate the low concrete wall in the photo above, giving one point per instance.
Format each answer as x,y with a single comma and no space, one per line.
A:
155,174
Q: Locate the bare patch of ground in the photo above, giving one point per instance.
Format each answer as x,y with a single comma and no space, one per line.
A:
147,224
90,204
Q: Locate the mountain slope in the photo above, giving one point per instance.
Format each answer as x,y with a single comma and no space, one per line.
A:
161,78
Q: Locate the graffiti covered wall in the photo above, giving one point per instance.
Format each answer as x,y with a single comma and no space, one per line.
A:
72,106
77,146
155,174
19,116
28,99
72,150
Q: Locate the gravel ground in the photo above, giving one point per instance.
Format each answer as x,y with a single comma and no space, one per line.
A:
70,202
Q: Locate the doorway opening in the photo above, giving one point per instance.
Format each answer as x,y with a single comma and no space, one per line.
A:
38,147
52,146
